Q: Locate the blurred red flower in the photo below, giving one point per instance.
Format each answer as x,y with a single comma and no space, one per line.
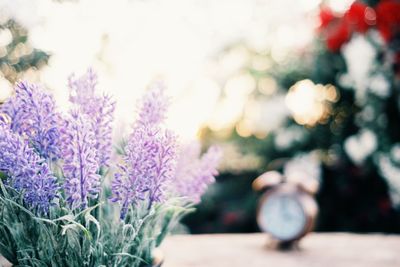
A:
337,30
358,18
355,17
388,18
337,36
326,16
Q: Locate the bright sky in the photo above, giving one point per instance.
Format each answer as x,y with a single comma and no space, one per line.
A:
132,42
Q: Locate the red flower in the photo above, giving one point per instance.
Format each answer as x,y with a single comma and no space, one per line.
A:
388,18
338,31
326,16
360,17
337,36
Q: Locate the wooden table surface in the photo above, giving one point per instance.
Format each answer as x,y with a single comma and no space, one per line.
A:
315,250
250,250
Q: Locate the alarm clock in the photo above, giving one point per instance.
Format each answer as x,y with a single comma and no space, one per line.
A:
286,210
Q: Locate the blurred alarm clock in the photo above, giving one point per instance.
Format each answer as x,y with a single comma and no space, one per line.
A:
287,211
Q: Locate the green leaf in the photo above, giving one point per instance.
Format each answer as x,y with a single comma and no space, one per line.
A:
7,253
91,219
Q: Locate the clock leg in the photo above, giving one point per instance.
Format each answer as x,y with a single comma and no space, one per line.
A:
288,246
282,246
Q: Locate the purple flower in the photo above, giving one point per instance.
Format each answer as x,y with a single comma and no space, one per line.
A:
99,109
80,165
150,156
153,106
41,191
34,116
194,173
26,171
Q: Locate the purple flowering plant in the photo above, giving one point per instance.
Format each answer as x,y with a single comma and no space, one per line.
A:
68,199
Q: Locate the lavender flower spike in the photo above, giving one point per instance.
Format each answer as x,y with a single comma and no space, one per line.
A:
80,166
149,163
26,171
153,106
99,109
194,173
34,116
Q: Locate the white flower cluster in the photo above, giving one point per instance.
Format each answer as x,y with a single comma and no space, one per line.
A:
363,73
391,172
370,77
358,147
359,55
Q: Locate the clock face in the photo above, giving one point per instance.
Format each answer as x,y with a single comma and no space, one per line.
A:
282,216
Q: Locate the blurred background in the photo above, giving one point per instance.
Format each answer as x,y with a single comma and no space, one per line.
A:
309,88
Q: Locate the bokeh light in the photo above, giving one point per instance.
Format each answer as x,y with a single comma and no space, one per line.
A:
308,102
131,43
